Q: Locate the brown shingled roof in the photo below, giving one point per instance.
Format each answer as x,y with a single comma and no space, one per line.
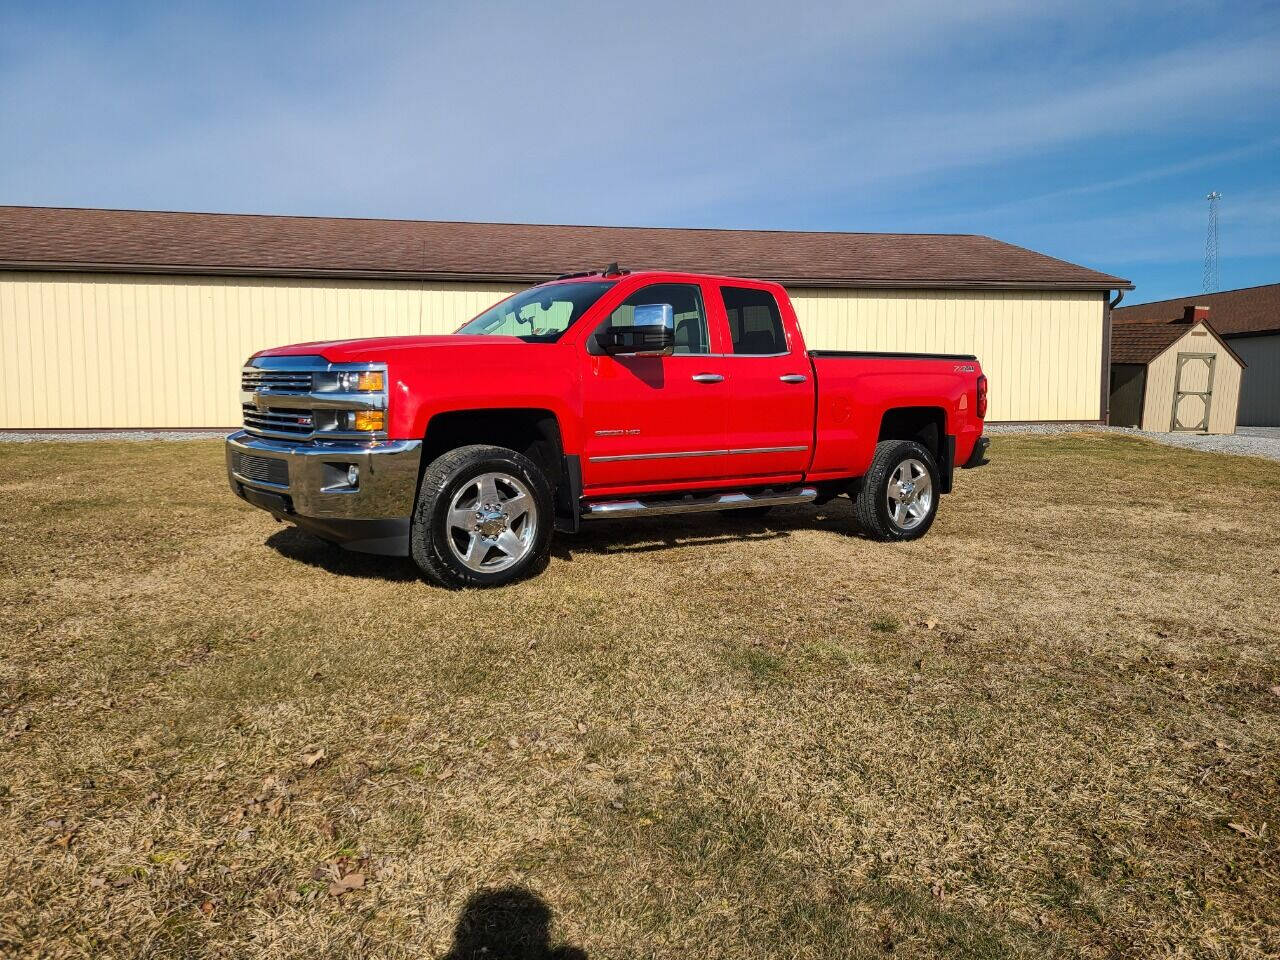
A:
1143,342
128,240
1235,312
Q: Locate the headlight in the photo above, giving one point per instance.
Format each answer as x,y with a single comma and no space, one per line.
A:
363,381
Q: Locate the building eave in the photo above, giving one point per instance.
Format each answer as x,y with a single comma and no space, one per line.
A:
284,273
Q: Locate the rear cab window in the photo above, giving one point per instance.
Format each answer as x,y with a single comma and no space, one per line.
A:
755,322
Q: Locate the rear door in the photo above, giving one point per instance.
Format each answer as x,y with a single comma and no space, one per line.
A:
769,418
654,421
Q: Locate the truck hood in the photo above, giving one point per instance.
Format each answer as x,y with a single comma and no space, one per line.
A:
378,348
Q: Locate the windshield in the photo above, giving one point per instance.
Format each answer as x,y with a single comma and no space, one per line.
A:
539,314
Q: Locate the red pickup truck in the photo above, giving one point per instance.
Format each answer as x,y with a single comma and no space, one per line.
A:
595,396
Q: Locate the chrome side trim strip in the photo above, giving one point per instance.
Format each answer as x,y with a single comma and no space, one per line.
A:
797,449
696,453
659,456
692,503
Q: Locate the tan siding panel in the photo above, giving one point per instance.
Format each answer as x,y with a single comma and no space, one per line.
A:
1042,352
107,350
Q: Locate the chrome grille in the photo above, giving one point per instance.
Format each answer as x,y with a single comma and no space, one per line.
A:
278,421
285,381
265,469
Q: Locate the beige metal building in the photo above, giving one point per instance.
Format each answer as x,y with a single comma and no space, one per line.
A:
128,319
1174,377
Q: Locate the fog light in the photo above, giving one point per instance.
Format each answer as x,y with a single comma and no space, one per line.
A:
368,420
353,476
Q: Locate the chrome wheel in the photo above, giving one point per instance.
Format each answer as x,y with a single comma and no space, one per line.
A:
492,522
910,494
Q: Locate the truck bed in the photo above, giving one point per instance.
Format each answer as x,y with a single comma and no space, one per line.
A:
865,354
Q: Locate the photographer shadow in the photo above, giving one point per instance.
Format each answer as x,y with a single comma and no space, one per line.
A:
507,923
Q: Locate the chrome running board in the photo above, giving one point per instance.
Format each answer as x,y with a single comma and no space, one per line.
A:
695,503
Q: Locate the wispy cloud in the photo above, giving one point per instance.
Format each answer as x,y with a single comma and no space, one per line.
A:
750,114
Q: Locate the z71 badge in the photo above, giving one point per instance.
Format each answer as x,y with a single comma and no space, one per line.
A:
965,368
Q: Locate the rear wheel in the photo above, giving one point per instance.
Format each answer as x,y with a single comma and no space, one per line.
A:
898,497
483,518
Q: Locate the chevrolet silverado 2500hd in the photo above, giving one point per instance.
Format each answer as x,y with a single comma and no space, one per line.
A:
595,396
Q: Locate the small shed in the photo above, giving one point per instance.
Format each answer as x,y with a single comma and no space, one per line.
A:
1176,376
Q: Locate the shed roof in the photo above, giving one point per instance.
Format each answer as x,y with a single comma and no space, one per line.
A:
1143,342
56,238
1249,310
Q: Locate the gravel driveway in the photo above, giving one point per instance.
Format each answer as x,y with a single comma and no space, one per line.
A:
1246,441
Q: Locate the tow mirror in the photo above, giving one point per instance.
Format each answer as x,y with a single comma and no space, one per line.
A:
652,333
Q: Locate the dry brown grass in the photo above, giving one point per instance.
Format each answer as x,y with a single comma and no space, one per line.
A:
1050,728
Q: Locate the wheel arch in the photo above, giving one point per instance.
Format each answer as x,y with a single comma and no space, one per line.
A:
532,431
535,432
926,426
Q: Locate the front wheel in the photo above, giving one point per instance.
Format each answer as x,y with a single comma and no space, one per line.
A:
898,497
483,518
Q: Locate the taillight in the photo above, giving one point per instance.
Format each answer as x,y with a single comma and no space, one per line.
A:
981,406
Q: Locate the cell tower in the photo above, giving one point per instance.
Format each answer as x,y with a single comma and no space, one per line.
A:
1212,278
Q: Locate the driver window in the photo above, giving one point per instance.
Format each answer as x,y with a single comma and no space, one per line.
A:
686,303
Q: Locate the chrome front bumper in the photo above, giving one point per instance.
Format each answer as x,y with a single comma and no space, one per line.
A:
305,484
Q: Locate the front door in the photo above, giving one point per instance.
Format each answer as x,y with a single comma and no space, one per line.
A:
655,421
1193,392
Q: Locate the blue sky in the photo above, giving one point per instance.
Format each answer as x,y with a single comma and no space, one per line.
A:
1087,130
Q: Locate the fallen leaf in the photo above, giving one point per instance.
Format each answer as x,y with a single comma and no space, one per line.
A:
445,774
207,908
274,806
1276,691
311,759
1241,829
930,623
352,881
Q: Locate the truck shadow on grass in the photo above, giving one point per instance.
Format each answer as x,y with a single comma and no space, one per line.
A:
599,538
701,530
292,544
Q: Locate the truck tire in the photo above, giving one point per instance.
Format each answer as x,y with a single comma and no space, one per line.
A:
483,518
898,497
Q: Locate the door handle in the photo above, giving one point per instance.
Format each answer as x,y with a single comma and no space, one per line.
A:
793,378
708,377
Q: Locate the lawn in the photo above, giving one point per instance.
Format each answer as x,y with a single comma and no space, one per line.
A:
1051,728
